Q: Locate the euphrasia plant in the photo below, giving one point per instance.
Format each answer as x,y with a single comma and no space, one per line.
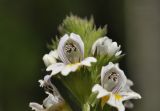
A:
83,71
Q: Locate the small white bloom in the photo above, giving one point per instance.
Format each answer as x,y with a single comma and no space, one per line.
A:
105,46
50,58
114,88
71,53
53,100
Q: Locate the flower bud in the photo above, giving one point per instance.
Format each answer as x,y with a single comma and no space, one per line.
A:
50,58
105,46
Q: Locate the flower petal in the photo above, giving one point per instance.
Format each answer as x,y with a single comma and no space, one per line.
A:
106,69
55,68
71,48
100,90
113,48
116,102
49,59
49,86
54,54
45,81
87,61
127,87
60,48
96,47
130,95
50,100
36,106
78,39
70,68
118,53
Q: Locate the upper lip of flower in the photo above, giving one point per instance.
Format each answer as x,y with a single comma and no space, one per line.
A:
75,43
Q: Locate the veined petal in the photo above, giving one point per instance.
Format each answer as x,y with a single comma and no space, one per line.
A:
106,69
113,48
116,101
60,48
36,106
100,90
87,61
130,95
71,49
70,68
78,39
55,68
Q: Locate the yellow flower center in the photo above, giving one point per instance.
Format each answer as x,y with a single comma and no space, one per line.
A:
117,96
106,98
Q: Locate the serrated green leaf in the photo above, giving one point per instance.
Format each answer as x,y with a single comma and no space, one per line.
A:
83,27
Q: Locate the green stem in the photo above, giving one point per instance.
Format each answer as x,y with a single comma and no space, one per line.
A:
70,90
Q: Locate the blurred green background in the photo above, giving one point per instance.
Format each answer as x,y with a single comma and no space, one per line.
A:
26,26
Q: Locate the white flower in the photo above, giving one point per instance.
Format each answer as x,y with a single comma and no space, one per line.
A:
53,100
71,53
105,46
50,58
113,89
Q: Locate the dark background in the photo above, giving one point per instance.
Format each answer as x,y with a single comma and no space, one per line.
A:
26,26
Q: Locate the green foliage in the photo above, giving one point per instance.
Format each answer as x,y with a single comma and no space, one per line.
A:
54,43
80,84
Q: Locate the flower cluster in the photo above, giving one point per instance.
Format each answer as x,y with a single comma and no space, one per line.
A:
95,81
